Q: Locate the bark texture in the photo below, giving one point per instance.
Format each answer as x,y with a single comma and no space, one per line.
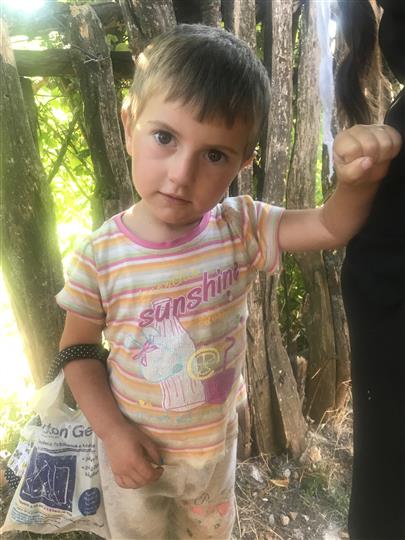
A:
333,263
278,60
91,61
56,16
321,380
58,63
211,12
30,107
145,20
255,415
240,18
30,258
288,426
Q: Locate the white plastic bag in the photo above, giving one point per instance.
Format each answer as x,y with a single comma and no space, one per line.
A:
60,488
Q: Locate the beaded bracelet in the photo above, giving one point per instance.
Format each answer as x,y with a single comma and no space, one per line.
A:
76,352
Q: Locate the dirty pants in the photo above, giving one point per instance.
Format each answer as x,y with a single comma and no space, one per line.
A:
185,503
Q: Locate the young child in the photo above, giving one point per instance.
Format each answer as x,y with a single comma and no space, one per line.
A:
167,280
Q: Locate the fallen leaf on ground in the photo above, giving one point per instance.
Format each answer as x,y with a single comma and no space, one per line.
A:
283,482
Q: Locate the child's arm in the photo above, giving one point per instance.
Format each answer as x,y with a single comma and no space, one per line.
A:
362,155
129,450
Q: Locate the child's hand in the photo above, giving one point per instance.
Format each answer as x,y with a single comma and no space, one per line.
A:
131,454
363,153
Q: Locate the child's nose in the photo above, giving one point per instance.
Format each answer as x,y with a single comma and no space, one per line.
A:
182,169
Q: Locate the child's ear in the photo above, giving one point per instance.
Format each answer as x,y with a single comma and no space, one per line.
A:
127,123
247,162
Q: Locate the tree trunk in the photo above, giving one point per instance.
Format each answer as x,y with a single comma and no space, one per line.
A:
91,61
276,152
240,19
321,381
254,417
288,427
30,107
145,20
333,263
30,257
211,12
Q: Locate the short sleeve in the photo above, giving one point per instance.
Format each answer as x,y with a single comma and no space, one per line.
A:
257,224
81,293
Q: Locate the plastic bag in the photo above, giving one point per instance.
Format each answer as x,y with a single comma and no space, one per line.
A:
60,487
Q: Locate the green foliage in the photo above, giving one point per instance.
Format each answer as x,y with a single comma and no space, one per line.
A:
118,42
260,41
316,486
65,157
291,298
14,414
319,196
63,147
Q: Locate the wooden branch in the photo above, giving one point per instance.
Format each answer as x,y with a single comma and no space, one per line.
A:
145,21
240,18
211,12
58,161
278,43
286,405
30,107
333,264
56,15
321,382
91,60
58,63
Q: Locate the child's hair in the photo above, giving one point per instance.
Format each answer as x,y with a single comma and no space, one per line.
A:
208,68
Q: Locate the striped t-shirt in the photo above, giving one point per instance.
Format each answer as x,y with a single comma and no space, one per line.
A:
174,315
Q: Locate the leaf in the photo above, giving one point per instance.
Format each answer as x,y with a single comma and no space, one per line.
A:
282,482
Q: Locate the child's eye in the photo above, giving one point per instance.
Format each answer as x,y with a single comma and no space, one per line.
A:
163,137
215,156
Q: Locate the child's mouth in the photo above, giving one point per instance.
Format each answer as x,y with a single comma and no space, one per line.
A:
174,198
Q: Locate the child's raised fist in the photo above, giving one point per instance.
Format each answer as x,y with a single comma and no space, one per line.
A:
363,153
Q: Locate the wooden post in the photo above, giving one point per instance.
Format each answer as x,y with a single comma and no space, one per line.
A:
145,20
333,263
239,18
58,63
211,12
276,427
321,376
92,63
288,427
30,257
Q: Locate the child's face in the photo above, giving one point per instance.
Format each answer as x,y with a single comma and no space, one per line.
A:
181,167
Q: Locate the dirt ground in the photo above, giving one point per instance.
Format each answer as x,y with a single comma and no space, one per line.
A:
305,499
280,498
